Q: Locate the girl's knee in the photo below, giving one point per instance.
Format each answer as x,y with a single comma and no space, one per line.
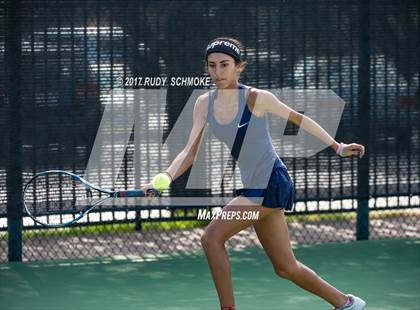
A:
287,271
210,240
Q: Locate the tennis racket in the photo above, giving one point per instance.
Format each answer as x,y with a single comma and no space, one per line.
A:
57,198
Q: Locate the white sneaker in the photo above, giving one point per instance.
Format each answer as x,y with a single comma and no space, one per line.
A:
356,304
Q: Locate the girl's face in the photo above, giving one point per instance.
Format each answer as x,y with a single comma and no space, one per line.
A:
223,70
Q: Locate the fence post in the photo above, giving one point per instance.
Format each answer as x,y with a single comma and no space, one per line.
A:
14,165
362,230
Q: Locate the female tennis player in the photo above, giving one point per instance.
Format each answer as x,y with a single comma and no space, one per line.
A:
221,110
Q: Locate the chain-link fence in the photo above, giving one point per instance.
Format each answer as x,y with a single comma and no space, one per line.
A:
60,60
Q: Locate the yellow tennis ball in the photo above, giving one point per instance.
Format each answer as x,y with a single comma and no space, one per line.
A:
161,181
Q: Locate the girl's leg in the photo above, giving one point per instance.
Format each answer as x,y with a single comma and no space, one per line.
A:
274,236
213,242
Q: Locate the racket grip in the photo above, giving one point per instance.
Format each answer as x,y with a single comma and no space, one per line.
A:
136,193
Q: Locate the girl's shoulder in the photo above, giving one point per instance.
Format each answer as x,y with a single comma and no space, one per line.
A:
260,101
204,98
202,103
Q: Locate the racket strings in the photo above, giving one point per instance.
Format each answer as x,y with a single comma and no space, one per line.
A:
56,197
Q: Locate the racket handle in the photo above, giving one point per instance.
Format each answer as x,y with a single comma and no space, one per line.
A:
136,193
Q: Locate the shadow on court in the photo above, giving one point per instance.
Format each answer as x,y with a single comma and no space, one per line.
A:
386,273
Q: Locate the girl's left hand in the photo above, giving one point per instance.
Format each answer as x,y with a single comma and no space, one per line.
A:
353,149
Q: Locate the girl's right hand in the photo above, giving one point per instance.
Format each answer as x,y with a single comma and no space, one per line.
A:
146,187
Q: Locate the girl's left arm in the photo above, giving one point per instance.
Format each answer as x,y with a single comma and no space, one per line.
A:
267,102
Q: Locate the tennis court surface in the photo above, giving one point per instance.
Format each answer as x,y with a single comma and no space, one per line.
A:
386,273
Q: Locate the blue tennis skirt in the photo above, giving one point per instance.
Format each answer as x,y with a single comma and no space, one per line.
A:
279,193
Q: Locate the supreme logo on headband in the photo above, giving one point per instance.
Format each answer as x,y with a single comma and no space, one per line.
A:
223,43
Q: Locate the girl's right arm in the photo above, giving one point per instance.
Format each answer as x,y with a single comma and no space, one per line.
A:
187,156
